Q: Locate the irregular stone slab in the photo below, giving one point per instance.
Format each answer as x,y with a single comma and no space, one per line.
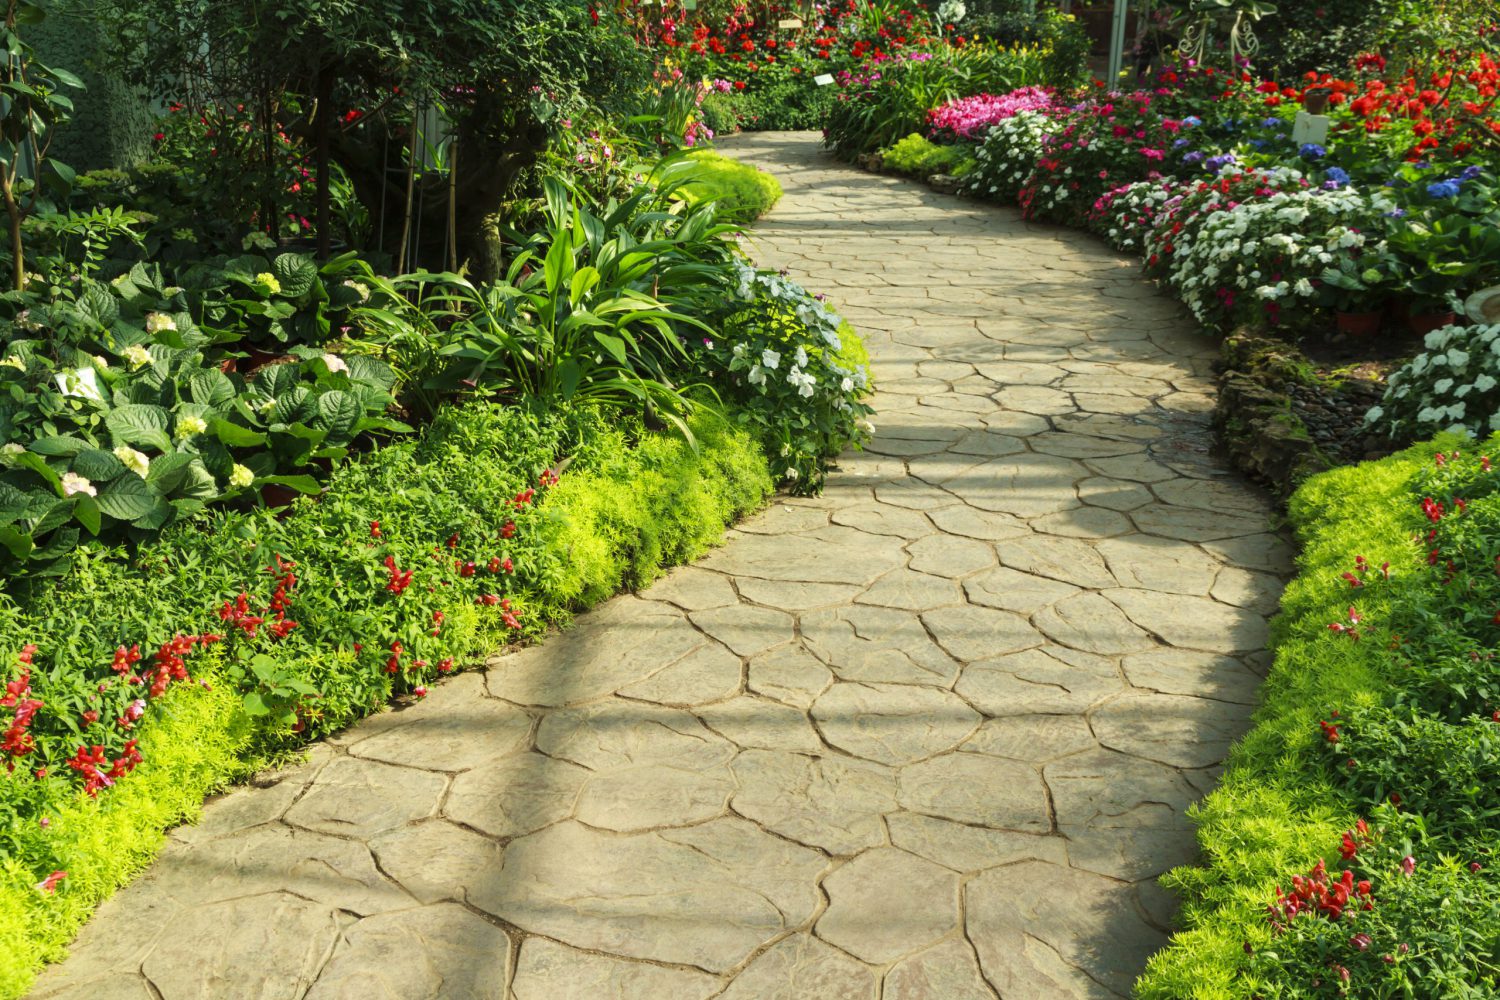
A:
618,644
967,848
1083,522
435,860
441,732
1027,485
121,986
358,798
1192,525
767,725
1259,592
1131,468
1166,565
791,675
428,953
785,518
1123,816
708,674
908,590
1050,680
1064,559
972,788
1037,400
693,589
708,896
1268,552
744,628
1171,728
278,945
1212,495
975,633
1195,673
517,796
947,971
830,802
617,733
1012,590
1093,624
983,525
1034,738
803,968
834,555
1043,930
883,519
1113,494
547,970
1192,622
869,644
887,903
893,723
652,796
795,596
914,495
950,556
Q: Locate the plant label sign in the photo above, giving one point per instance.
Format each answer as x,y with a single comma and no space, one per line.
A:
823,79
1310,129
789,22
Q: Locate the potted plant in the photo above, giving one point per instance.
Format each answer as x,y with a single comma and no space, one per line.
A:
1357,289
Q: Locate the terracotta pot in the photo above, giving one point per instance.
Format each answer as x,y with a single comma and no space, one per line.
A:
1363,324
1316,100
1422,323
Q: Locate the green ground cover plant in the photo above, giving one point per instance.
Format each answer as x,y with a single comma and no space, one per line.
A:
1375,752
417,560
739,192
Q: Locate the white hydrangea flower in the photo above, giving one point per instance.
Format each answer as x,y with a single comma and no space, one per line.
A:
188,425
159,323
137,356
335,363
134,461
75,485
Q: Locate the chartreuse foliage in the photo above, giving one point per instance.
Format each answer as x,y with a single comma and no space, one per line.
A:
1377,706
740,192
628,503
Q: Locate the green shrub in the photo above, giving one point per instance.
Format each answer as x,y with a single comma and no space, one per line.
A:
739,192
918,156
1392,597
627,505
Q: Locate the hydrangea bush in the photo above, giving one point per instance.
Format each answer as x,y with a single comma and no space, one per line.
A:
796,373
1007,156
1454,385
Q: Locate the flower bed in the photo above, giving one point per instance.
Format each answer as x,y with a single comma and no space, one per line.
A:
1373,751
388,587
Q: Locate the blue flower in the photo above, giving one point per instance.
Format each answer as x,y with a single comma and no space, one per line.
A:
1214,164
1312,151
1178,144
1258,143
1396,213
1271,122
1192,121
1444,189
1470,173
1337,176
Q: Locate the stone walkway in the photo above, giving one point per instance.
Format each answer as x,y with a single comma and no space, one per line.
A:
931,735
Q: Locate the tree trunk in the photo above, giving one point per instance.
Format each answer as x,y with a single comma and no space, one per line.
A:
17,250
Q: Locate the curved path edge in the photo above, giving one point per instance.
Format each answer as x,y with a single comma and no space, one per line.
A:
930,735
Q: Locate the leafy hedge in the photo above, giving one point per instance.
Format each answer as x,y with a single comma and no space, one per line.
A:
741,192
628,504
1375,751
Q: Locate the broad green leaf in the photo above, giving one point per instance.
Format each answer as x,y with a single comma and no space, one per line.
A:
210,387
339,413
127,498
297,274
60,445
138,423
168,472
97,465
86,511
234,435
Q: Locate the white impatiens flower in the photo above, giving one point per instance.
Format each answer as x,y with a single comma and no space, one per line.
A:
73,485
770,358
1484,383
159,323
335,363
189,425
134,461
756,375
137,356
801,357
1495,422
240,477
1304,287
847,385
803,382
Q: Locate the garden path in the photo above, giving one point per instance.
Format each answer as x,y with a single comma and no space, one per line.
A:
930,735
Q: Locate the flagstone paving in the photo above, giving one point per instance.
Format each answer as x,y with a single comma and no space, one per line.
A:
930,736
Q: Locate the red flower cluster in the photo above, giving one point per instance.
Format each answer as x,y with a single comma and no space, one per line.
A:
90,763
17,741
399,579
169,663
1316,895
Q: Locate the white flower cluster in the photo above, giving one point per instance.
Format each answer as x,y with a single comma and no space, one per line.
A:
1452,386
1134,211
1271,248
1007,156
